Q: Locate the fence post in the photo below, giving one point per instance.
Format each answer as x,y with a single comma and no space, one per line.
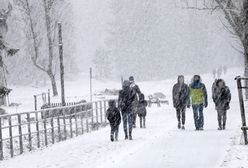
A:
52,130
101,112
64,122
29,132
75,115
1,140
97,116
58,124
87,125
49,98
82,122
242,108
37,130
20,133
70,116
11,138
35,102
45,129
105,109
92,116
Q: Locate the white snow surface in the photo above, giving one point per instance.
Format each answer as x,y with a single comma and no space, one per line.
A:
160,145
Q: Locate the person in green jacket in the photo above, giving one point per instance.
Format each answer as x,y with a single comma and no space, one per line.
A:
199,100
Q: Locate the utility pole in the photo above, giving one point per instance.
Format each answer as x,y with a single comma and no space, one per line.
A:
61,65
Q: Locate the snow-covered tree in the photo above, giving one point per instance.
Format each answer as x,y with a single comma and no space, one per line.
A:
41,33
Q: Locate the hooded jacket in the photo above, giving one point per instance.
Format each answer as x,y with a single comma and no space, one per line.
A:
221,96
142,106
126,98
113,114
198,93
180,94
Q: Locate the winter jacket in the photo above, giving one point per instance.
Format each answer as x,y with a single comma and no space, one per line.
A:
198,93
222,98
114,117
180,95
142,108
126,99
137,93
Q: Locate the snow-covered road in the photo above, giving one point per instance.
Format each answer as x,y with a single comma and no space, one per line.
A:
160,145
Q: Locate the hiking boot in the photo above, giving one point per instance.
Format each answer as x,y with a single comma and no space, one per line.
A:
201,129
219,128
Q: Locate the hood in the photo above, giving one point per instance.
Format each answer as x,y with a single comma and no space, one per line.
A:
112,103
180,76
220,80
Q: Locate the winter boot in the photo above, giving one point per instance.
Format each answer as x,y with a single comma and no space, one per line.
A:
183,127
116,136
126,136
130,135
179,125
144,123
140,122
112,138
224,127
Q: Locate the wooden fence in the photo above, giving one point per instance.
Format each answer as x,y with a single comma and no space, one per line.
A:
23,132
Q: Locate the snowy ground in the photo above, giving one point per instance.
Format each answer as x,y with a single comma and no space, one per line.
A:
160,145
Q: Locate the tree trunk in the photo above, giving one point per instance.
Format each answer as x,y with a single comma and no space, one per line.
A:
50,47
246,71
53,82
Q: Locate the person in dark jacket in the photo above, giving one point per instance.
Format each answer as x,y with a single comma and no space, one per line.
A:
221,96
199,100
114,117
142,111
125,101
137,92
180,94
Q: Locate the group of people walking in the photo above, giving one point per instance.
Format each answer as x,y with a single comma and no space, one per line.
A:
131,102
195,95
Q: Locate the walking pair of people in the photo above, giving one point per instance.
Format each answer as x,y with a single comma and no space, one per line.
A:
130,103
184,95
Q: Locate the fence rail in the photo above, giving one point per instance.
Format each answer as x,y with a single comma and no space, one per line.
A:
27,131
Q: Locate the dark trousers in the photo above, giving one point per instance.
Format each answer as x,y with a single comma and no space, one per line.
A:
181,115
198,115
134,114
221,118
142,121
114,132
127,122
